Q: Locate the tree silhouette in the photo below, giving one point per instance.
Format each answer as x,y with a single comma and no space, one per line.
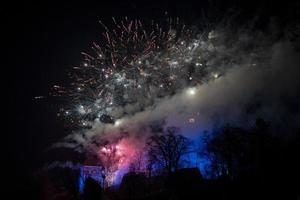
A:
92,190
234,152
228,150
167,149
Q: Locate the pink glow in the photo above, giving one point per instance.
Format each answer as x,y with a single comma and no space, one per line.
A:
103,149
117,157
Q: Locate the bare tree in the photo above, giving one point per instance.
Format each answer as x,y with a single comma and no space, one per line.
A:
231,151
227,150
138,163
234,152
167,149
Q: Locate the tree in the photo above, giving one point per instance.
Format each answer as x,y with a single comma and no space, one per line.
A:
228,151
92,190
235,152
167,149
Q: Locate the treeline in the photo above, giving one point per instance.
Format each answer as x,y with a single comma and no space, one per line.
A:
253,163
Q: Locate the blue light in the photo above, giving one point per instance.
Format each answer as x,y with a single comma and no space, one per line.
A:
93,172
81,180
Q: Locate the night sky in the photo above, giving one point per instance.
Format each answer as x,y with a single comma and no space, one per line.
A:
46,40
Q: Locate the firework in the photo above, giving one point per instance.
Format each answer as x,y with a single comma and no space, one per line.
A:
117,157
134,65
112,159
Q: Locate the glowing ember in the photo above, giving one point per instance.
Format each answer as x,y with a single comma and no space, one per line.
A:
191,120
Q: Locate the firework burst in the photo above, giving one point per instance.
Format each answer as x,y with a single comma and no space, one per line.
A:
134,65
